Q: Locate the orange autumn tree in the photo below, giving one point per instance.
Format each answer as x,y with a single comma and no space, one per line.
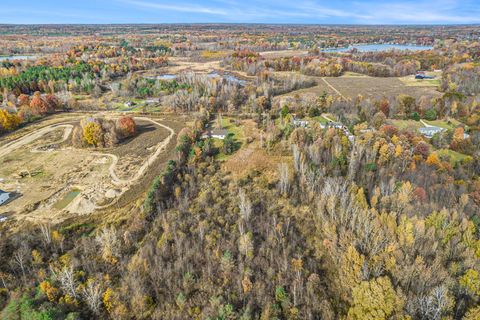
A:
126,126
38,104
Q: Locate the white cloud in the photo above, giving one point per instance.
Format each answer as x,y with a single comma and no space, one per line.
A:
179,8
320,11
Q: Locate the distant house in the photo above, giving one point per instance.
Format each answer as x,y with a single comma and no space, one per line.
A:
336,125
429,132
216,134
300,123
4,197
152,100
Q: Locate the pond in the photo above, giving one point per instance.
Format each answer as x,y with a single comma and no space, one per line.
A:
228,77
65,201
379,47
15,57
167,77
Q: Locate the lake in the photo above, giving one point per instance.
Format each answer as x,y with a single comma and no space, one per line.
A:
379,47
228,77
14,57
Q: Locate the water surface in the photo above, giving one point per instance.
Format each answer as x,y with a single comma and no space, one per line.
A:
65,201
15,57
379,47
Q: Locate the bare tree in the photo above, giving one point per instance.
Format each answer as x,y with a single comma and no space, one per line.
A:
46,233
284,183
67,280
109,243
245,206
21,258
92,293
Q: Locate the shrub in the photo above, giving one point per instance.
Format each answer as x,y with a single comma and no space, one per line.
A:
431,114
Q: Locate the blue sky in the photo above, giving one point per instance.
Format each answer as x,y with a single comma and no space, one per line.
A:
242,11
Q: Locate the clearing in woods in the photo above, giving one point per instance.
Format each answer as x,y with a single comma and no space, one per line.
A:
52,179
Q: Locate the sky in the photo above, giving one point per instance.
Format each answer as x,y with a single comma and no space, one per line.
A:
240,11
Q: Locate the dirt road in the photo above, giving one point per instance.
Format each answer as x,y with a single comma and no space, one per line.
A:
123,184
29,138
333,88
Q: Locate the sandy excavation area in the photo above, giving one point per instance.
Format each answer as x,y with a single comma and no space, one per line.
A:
52,180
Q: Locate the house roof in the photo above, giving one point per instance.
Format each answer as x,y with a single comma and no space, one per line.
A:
1,191
431,129
219,132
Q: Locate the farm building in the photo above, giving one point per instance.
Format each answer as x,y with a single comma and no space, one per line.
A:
4,197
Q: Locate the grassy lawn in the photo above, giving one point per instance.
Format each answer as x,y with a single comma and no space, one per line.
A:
453,155
330,116
238,136
320,119
410,81
447,124
406,124
228,123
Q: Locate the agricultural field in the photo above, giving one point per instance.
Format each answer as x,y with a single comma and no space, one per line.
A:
374,87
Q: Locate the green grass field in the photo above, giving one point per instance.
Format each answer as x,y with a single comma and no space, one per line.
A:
454,156
238,135
406,124
320,119
447,124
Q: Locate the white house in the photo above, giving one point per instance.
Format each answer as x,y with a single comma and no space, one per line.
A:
216,134
429,132
300,123
4,196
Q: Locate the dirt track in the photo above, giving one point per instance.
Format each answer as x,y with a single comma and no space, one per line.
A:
123,184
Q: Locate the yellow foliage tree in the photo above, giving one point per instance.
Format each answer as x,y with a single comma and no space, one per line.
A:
471,281
433,160
92,134
375,300
8,121
473,314
50,291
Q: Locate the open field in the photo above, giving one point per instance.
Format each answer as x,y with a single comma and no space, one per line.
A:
411,125
378,87
252,156
446,124
283,53
454,156
352,84
410,80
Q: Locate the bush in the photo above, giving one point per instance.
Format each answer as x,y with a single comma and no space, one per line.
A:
415,116
314,112
431,114
229,144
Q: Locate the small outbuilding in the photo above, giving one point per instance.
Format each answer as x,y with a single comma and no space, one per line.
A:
4,197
